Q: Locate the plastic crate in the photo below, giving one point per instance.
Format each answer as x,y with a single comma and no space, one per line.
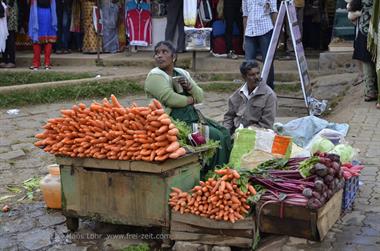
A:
351,188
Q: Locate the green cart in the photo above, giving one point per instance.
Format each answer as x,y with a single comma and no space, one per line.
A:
132,193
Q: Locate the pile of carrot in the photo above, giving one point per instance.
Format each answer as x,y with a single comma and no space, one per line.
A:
218,199
108,130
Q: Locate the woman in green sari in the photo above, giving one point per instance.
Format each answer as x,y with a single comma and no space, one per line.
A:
179,98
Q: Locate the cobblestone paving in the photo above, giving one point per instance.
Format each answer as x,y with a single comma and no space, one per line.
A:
32,227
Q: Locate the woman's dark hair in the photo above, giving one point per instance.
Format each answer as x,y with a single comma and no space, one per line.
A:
247,65
167,44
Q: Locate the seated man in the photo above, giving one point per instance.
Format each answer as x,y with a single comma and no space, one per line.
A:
254,103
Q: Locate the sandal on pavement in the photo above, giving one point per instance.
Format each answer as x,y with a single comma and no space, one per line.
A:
378,106
34,68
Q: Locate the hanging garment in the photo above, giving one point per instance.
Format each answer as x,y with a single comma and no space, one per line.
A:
122,27
110,15
43,23
139,23
134,4
97,19
89,39
190,12
3,29
75,17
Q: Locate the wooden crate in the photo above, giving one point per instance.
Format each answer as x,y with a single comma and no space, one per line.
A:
133,193
300,221
197,229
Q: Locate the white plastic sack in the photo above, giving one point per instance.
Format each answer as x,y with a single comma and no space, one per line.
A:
190,12
302,130
198,39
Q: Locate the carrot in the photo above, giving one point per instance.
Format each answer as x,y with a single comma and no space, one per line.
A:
222,187
178,153
235,174
162,143
160,138
157,104
173,147
166,121
251,189
161,158
156,124
163,116
221,171
159,111
173,132
171,138
163,129
151,117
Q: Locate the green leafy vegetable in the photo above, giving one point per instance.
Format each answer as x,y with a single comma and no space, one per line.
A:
307,165
206,150
321,145
345,152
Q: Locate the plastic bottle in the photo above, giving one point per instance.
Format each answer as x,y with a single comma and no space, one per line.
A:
51,187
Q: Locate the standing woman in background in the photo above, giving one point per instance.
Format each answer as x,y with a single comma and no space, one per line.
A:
9,55
90,37
42,30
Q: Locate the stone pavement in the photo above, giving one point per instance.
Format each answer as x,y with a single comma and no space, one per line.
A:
32,227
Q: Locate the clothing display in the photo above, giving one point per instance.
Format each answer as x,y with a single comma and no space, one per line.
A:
90,37
64,13
110,15
43,23
139,25
122,27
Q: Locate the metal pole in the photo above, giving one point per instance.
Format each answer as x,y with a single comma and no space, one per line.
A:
98,59
194,61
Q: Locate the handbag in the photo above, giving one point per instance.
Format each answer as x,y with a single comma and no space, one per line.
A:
205,12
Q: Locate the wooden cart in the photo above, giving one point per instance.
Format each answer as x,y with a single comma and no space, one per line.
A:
123,192
202,230
300,221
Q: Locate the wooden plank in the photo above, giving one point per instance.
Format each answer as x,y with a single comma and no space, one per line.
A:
159,167
209,239
329,214
95,163
289,211
199,221
137,166
309,224
288,226
182,227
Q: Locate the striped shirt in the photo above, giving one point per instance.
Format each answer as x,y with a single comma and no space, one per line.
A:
258,16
